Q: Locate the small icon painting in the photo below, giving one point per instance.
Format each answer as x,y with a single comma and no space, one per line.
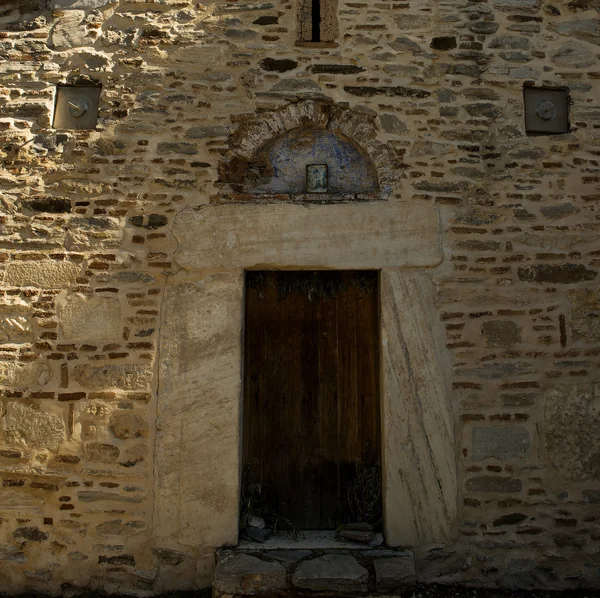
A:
316,178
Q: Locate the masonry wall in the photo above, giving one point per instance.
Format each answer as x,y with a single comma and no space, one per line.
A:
87,249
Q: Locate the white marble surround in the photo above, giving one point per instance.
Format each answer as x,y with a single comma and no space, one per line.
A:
197,453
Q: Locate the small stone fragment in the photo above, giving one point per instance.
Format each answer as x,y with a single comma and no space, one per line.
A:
258,534
128,425
257,522
357,535
169,556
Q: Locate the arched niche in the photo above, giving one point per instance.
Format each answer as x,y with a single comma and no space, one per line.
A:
262,149
312,160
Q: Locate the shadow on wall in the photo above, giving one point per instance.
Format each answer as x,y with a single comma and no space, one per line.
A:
281,164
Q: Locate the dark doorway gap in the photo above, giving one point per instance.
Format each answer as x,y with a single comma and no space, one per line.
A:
316,20
311,428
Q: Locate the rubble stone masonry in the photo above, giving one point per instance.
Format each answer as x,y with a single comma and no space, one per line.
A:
87,247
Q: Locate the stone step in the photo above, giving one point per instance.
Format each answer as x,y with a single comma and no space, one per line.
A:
243,572
331,572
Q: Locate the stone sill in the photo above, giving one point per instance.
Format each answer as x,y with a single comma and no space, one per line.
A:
305,540
313,198
316,45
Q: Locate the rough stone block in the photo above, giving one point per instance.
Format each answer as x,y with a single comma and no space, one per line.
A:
203,131
573,55
47,274
128,425
71,31
493,371
331,572
557,274
19,501
248,575
395,571
392,124
15,322
523,5
117,527
558,211
585,315
82,3
408,22
101,453
584,29
123,377
33,534
25,375
33,427
100,496
501,333
572,420
166,147
500,442
494,484
12,554
89,319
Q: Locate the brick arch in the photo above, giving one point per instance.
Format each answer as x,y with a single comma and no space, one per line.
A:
243,159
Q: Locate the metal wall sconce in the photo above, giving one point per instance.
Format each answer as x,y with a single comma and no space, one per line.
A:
76,107
546,111
317,178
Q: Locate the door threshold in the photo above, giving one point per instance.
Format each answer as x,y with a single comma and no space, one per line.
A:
302,540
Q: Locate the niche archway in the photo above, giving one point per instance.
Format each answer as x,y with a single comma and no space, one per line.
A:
283,166
269,154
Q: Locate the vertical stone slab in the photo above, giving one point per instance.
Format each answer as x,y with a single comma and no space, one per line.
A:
197,443
418,426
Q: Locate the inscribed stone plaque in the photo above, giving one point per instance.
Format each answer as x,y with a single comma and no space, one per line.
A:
316,178
546,111
76,107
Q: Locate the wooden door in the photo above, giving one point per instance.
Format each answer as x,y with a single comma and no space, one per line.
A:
311,390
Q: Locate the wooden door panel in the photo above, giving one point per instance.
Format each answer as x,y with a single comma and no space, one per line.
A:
311,389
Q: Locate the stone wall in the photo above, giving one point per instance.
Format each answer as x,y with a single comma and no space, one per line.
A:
90,258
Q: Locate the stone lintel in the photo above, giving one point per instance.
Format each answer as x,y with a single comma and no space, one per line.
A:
340,236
